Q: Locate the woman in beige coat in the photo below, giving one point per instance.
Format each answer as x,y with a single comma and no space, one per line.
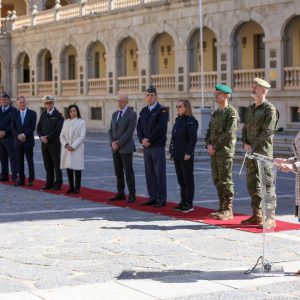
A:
292,164
72,147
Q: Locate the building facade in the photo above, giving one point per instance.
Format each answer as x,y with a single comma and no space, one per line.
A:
87,51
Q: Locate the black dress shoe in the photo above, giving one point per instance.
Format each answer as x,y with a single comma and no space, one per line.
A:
70,191
56,188
149,203
159,205
47,187
30,183
131,199
4,178
77,192
118,197
19,183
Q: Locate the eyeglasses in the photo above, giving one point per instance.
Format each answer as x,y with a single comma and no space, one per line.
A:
179,106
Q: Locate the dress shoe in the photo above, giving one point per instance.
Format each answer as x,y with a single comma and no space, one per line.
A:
157,205
149,203
56,188
19,182
131,199
30,183
4,178
118,197
46,187
70,191
77,192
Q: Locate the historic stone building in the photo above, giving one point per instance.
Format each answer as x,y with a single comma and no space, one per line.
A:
88,51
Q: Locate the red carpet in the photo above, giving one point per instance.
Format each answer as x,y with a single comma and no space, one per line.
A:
198,215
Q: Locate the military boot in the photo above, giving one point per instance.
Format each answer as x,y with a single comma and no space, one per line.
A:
255,219
219,211
270,223
226,214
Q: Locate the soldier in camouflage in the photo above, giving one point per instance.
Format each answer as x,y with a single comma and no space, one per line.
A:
220,142
261,121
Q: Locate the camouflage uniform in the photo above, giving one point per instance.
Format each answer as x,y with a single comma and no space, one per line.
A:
260,122
221,134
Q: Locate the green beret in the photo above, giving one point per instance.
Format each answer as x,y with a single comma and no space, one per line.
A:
223,88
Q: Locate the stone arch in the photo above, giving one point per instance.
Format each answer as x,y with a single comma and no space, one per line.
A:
96,60
68,62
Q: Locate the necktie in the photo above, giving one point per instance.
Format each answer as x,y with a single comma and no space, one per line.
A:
22,116
119,117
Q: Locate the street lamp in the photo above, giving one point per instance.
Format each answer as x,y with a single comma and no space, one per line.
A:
201,52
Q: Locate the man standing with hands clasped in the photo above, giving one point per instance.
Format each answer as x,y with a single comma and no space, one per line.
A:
220,142
48,130
121,132
152,134
257,136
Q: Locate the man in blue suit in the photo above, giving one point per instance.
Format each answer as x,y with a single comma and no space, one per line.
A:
152,134
23,125
7,148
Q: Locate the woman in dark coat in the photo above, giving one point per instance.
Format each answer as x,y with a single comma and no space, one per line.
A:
182,146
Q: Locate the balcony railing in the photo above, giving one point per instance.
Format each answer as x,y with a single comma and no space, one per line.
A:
69,88
77,10
45,88
128,84
291,78
243,79
164,83
23,89
210,80
97,86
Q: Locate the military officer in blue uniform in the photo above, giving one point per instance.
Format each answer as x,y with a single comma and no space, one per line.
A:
7,147
152,134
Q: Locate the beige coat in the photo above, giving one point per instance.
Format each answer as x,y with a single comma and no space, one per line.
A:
73,133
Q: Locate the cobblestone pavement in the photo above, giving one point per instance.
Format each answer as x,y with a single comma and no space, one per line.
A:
55,247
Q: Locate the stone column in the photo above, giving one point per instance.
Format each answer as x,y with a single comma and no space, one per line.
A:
144,71
181,69
82,80
111,69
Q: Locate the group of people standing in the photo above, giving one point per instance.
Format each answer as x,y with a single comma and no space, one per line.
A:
63,148
61,143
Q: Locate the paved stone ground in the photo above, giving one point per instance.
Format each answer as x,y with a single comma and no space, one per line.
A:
55,247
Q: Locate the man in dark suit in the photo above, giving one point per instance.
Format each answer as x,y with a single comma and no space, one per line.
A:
121,131
48,130
23,126
152,130
7,147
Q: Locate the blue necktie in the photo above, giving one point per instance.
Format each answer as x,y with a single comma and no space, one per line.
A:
22,116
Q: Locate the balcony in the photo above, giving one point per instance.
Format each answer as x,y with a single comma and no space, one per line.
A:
243,79
291,78
164,83
45,88
69,88
23,89
97,86
210,80
128,84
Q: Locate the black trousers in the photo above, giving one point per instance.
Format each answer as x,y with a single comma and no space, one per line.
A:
185,176
8,153
77,185
27,151
51,157
123,163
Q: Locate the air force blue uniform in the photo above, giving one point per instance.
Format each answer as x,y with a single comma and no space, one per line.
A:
7,147
153,126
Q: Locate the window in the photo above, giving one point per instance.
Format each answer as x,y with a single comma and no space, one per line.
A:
97,64
96,113
259,51
242,113
71,65
295,116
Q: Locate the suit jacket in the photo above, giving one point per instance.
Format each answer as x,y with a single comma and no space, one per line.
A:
123,130
27,128
50,126
6,121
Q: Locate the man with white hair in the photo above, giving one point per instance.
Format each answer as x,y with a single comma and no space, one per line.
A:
257,136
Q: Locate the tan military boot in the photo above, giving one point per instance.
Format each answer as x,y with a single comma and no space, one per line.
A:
270,223
219,211
227,212
255,219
